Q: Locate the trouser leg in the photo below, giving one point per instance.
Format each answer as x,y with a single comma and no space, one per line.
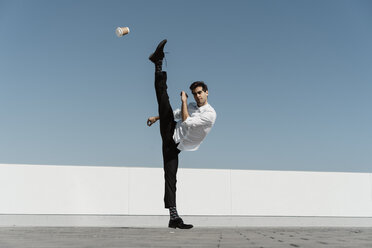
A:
170,157
169,148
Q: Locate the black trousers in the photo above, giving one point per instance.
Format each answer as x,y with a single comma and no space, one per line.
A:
169,147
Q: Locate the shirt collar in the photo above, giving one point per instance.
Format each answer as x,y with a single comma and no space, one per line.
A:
204,106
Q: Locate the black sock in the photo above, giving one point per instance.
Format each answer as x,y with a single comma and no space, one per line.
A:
158,66
173,213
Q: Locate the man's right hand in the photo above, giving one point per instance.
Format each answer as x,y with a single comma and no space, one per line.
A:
152,120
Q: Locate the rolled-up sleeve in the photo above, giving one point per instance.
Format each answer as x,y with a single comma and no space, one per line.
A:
205,119
177,114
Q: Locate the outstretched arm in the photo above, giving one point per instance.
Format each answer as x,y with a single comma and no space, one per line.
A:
152,120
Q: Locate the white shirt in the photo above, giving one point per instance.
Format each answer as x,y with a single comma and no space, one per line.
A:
191,132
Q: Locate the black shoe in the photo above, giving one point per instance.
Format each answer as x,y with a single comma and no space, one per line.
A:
178,223
158,55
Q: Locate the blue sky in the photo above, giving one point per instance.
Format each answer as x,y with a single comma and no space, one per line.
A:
291,82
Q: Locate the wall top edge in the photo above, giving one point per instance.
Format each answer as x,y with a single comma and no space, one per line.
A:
180,168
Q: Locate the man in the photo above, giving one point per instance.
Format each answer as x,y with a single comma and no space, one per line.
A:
195,121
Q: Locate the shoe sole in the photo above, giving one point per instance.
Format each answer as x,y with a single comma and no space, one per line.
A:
179,228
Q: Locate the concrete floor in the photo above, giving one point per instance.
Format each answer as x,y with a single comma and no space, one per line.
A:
58,237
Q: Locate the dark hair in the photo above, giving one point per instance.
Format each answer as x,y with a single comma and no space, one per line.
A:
197,84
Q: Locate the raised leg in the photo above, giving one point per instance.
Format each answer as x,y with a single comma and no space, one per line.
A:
169,148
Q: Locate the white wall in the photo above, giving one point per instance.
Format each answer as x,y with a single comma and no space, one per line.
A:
47,189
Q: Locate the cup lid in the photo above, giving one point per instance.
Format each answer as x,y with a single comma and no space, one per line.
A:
119,32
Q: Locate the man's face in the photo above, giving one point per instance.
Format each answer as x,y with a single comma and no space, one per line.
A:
200,96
